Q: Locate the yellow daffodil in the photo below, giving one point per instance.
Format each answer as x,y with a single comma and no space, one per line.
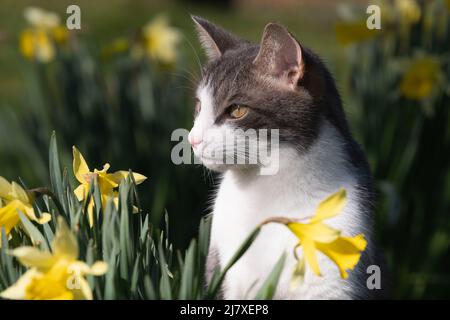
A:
107,182
354,31
38,42
421,78
40,18
409,10
159,41
56,275
14,199
316,236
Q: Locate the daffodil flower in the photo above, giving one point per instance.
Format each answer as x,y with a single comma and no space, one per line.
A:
159,42
40,18
421,78
14,199
316,236
56,275
107,182
350,32
38,42
409,10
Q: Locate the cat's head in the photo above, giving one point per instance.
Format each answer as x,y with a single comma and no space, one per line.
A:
276,84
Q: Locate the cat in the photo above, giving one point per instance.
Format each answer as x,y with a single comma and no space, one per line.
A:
279,84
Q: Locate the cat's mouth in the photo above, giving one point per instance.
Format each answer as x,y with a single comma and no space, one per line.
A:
221,161
210,160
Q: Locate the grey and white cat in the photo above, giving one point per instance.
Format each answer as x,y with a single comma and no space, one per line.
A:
279,84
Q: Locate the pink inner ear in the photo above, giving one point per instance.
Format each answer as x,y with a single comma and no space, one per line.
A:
293,77
280,56
292,69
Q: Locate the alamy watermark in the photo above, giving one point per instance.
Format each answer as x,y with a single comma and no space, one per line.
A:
374,280
73,21
237,147
374,19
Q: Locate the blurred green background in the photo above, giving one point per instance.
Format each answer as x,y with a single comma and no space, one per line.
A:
120,107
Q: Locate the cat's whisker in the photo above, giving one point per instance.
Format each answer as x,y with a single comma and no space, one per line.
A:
197,59
186,74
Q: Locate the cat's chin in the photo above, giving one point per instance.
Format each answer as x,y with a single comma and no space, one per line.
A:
213,165
221,167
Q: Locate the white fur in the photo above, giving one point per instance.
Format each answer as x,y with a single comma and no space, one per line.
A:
246,198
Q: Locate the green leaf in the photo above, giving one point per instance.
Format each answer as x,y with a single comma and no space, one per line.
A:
217,280
135,276
34,233
165,289
269,286
149,288
110,287
125,237
55,172
188,274
9,273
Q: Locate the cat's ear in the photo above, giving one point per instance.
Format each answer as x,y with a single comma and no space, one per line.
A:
280,56
214,40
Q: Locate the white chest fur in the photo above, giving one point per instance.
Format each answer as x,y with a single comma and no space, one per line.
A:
245,199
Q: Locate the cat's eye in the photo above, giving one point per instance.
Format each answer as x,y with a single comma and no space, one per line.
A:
238,111
198,106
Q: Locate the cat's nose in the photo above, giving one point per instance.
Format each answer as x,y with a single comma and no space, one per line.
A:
194,141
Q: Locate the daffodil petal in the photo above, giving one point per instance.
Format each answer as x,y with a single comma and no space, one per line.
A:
118,176
9,217
51,285
17,290
331,206
139,178
84,292
33,257
298,274
45,217
98,268
106,167
80,192
78,267
309,251
40,18
344,251
26,43
80,167
18,193
5,188
65,244
107,184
